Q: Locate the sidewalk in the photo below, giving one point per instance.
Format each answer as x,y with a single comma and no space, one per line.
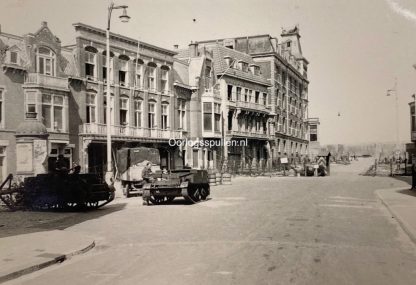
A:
23,254
401,202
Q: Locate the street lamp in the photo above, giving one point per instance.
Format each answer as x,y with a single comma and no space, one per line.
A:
124,18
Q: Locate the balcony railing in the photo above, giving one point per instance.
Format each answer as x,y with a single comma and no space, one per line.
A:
46,81
252,106
248,134
127,131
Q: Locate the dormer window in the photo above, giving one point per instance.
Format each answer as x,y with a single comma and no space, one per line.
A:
243,66
45,61
13,57
228,60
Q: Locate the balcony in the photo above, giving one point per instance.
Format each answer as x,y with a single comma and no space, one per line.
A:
247,134
46,81
252,106
127,131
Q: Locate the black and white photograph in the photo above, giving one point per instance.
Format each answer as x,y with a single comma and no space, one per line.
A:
208,142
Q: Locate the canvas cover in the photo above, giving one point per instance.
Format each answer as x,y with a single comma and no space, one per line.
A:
128,157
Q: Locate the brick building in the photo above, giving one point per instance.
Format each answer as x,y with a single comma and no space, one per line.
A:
233,106
284,66
248,93
52,100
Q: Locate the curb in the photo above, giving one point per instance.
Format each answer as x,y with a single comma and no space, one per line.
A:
405,227
33,268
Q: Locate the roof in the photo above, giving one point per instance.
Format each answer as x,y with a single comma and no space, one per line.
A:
220,65
68,63
181,72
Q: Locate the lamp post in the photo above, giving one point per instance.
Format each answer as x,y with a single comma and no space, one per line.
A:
124,18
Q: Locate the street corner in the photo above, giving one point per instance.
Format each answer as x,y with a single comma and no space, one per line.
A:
27,253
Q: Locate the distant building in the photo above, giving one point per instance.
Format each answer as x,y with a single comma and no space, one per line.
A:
411,147
314,145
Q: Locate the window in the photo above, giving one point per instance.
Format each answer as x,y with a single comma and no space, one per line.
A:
182,114
111,109
139,73
138,113
238,93
208,117
90,105
217,117
152,116
250,95
105,68
151,83
208,77
45,61
1,109
257,95
165,116
164,87
230,93
288,44
243,66
90,63
52,112
31,105
123,76
13,57
313,137
265,99
124,111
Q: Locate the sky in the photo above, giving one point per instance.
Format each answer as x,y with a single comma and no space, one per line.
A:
356,48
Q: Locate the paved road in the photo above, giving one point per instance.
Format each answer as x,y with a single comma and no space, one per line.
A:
330,230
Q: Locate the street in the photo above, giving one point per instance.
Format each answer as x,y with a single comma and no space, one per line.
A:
279,230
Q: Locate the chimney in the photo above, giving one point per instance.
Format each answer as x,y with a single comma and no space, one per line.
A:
193,49
44,24
175,46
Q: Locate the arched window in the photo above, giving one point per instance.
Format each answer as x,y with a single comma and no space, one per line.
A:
151,76
105,66
45,61
123,74
165,116
124,111
138,111
90,107
90,62
151,115
164,79
138,66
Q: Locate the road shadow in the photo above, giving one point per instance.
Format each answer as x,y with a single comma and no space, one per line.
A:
24,222
406,179
408,192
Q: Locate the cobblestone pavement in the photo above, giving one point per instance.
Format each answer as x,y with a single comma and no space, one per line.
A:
323,230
